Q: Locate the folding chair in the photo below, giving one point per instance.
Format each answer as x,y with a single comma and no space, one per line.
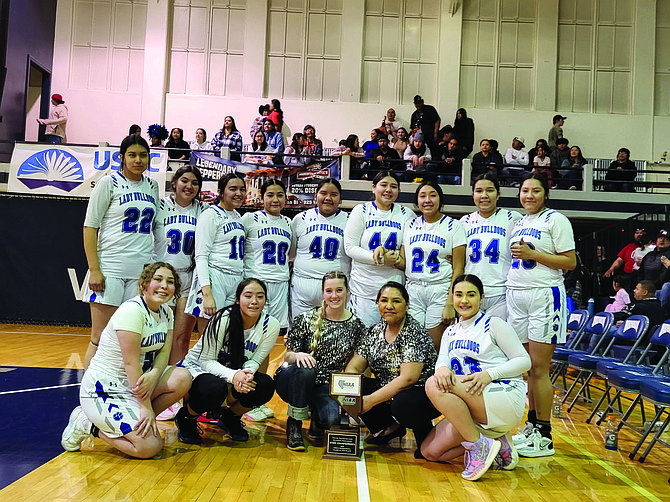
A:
576,322
599,324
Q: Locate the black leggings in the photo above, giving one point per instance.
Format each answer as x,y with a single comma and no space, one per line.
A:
410,408
209,392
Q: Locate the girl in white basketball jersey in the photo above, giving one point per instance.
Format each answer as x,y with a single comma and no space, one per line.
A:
543,247
477,386
174,243
318,247
117,235
267,245
219,252
429,239
129,381
372,239
487,231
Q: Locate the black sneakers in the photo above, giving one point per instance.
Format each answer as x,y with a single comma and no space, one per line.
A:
188,430
232,425
294,440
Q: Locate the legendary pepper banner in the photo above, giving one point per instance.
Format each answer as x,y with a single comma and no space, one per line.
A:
301,182
72,171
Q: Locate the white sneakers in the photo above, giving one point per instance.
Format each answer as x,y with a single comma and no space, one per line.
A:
536,446
78,429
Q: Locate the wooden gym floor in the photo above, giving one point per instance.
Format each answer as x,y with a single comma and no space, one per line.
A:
42,365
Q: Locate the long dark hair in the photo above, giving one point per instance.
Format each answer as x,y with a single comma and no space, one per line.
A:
188,169
350,142
233,127
235,330
269,183
254,144
435,186
472,279
277,107
295,141
490,176
130,140
223,182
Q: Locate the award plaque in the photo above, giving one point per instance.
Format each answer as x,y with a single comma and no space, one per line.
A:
343,440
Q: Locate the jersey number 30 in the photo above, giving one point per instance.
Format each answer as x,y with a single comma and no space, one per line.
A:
175,241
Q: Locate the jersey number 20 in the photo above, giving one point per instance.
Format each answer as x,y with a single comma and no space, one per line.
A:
274,253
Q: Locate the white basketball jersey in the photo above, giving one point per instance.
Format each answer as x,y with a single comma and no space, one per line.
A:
268,241
487,255
134,316
123,211
426,247
319,243
548,232
174,232
470,346
368,228
219,243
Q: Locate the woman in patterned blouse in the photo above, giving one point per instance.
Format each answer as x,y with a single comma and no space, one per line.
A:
401,355
321,341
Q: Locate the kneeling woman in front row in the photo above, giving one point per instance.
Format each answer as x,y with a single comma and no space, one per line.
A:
236,341
320,342
402,356
128,381
477,386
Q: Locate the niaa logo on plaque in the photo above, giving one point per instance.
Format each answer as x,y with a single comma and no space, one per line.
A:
53,167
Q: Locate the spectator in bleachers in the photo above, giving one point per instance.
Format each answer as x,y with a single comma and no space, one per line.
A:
372,143
297,147
263,112
135,129
450,174
464,130
390,125
228,137
533,151
542,162
157,134
313,146
260,146
645,246
486,160
557,156
425,119
354,151
401,142
417,153
621,173
179,149
200,142
571,170
556,131
515,156
276,114
653,266
273,137
621,298
383,152
446,134
625,256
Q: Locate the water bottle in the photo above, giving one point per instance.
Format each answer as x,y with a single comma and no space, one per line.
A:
611,434
591,306
557,405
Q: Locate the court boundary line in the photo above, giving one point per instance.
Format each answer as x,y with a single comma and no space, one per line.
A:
38,388
362,477
622,477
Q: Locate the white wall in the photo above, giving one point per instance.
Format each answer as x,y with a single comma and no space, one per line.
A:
100,112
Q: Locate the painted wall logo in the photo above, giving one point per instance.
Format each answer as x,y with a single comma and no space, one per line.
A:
56,168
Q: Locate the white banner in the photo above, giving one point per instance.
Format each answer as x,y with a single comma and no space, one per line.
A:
72,171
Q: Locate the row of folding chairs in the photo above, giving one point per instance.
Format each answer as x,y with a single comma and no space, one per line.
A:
624,368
